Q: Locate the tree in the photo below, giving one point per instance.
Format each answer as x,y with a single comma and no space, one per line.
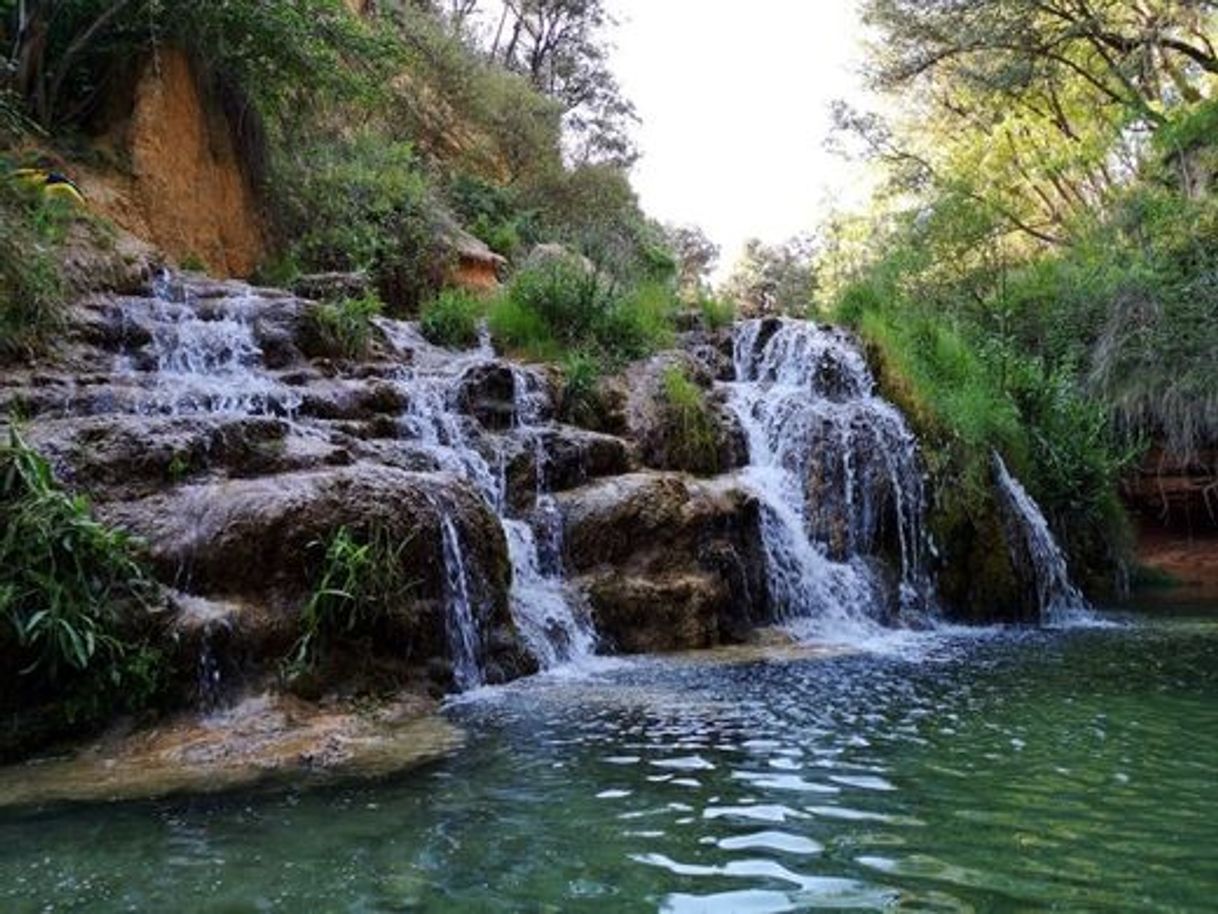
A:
559,46
1134,55
778,278
66,53
1038,111
696,257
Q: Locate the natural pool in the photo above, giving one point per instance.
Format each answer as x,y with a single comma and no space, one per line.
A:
993,772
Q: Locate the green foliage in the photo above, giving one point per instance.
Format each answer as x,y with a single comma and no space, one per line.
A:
774,278
638,322
690,439
362,203
717,313
970,389
593,209
1188,128
344,329
73,598
362,581
452,318
463,110
517,327
561,305
940,381
192,262
581,374
1037,273
491,214
283,53
1152,360
32,287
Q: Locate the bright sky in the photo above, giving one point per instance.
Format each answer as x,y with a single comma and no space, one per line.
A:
735,106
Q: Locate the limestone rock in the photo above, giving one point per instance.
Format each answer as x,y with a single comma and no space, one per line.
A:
262,539
668,562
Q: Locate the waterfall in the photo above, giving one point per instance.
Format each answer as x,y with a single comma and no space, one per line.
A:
462,628
207,358
204,357
1032,545
837,471
550,616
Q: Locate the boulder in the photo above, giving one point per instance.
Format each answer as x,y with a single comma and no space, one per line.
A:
660,429
569,457
332,286
474,266
262,540
667,562
125,456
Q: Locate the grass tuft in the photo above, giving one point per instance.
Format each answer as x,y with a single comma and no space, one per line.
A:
451,319
344,329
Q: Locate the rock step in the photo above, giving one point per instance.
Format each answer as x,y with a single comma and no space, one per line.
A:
668,562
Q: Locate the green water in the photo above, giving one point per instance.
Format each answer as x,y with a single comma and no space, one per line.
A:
1069,771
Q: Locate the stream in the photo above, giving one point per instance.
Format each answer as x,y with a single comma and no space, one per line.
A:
999,770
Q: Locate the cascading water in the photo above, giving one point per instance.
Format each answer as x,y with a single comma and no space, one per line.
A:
549,616
1058,601
836,469
205,358
462,628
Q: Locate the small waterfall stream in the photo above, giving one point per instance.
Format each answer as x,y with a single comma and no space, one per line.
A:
208,361
836,469
207,358
462,628
549,614
1058,601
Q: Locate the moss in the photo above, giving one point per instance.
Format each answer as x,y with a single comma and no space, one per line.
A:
690,435
343,329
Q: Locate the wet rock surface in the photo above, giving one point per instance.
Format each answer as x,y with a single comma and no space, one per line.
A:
649,418
667,562
265,739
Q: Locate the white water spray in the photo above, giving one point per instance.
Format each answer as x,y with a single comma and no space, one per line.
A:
1058,601
836,469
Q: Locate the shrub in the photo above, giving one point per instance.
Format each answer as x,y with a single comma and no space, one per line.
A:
491,214
519,328
571,299
716,313
344,329
32,287
362,580
452,319
73,598
549,307
691,442
363,204
283,53
941,383
193,263
639,322
581,373
561,305
593,209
